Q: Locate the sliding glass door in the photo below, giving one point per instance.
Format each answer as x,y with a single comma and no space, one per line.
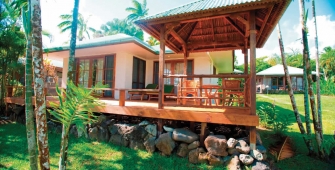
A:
92,71
138,81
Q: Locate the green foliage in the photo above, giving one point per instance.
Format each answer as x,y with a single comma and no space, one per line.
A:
76,107
326,87
137,11
327,63
83,29
152,41
121,26
262,64
270,118
328,145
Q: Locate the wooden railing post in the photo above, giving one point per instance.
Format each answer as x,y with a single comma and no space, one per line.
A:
122,98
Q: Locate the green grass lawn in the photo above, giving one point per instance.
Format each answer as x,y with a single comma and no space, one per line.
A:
283,106
85,154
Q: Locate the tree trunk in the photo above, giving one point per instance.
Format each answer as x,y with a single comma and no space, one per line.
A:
70,77
308,142
40,107
31,136
318,95
308,75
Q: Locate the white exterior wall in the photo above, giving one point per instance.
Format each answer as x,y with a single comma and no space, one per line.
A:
203,65
123,72
149,71
65,70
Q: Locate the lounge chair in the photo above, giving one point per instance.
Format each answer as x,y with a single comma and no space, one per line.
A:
168,91
142,92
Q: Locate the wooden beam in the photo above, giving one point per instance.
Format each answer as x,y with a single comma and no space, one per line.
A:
161,67
185,59
191,32
183,27
177,37
199,16
247,26
253,32
213,31
183,115
207,43
265,21
238,29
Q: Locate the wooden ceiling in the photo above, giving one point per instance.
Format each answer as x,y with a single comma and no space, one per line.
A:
225,28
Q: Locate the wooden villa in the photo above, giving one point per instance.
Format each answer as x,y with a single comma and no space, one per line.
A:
201,27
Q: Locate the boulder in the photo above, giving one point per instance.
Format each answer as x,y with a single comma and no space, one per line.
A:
214,160
231,142
119,128
152,130
117,139
261,148
165,144
184,135
150,144
242,147
182,150
233,151
101,119
216,145
136,145
203,158
193,145
93,133
103,134
144,123
260,165
136,133
246,159
256,154
193,156
233,163
168,129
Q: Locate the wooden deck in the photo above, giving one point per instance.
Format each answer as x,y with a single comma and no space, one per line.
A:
225,115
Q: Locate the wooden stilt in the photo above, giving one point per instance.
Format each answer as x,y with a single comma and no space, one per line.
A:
253,42
160,126
122,98
161,68
192,126
202,133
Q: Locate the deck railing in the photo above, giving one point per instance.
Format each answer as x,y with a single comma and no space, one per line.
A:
232,91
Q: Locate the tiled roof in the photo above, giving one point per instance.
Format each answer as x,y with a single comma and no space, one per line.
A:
200,5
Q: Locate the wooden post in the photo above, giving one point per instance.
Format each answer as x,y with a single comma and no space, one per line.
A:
202,133
253,42
185,59
192,126
200,81
122,98
161,67
246,56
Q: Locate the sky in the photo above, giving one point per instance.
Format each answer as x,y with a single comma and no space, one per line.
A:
101,11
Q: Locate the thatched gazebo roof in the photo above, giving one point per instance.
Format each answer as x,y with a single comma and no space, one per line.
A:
215,25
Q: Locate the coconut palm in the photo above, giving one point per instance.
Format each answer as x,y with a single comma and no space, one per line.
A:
40,106
152,41
121,26
83,28
327,62
318,95
137,11
308,83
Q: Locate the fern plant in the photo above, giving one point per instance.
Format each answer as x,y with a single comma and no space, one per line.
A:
76,107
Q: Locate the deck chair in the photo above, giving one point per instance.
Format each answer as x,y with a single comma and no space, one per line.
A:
188,88
168,91
142,93
233,92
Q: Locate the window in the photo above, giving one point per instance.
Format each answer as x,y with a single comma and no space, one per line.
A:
175,67
91,71
138,81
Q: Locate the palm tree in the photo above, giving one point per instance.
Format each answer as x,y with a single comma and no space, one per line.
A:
290,92
40,107
327,62
318,95
308,82
83,28
137,11
121,26
31,136
70,78
152,41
